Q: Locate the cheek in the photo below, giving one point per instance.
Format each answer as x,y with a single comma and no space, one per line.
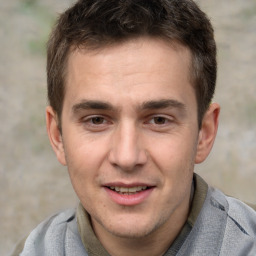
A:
83,172
173,151
83,162
175,160
84,152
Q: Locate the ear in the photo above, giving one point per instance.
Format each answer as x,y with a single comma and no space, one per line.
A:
207,132
54,134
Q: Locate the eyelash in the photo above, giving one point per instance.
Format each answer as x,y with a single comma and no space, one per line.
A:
89,120
100,123
160,118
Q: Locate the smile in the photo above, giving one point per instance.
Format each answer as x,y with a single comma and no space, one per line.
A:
128,191
129,195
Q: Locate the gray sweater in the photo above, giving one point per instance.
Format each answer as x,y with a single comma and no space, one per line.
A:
223,226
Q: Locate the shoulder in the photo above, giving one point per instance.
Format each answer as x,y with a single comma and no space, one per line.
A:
235,209
52,226
216,203
238,231
56,235
242,215
238,213
224,225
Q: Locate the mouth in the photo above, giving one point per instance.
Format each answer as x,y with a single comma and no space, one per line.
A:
128,191
129,195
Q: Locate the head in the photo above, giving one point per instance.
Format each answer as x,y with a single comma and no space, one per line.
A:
100,23
129,84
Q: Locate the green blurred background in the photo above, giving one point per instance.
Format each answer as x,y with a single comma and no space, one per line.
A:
33,185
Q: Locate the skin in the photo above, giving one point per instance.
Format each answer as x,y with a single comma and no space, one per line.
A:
130,118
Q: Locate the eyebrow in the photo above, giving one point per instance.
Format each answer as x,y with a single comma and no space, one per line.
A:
92,104
164,103
147,105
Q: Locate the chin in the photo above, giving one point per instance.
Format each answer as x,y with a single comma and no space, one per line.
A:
132,230
134,233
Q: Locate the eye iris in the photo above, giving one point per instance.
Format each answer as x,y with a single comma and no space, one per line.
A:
97,120
159,120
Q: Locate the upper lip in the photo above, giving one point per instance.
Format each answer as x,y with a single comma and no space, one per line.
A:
127,185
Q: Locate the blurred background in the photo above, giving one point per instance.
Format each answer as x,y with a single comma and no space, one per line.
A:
33,185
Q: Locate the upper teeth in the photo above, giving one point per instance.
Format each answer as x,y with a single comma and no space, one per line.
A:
128,190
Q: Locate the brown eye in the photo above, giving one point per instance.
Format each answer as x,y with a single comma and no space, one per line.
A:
159,120
97,120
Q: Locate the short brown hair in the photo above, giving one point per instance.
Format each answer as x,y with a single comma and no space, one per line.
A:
98,23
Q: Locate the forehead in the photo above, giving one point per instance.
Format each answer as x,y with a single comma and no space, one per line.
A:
142,49
154,64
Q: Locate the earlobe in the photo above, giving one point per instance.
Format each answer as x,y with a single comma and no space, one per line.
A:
207,132
54,134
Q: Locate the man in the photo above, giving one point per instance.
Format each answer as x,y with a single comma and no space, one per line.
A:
130,85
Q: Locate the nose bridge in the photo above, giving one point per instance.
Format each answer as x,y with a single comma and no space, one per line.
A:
127,151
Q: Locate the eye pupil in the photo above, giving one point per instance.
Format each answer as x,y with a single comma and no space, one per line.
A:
159,120
97,120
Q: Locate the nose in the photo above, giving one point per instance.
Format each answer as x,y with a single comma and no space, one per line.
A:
127,150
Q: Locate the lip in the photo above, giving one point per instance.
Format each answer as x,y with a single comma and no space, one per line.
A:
128,199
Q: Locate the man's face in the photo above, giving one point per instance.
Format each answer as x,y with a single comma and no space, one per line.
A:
130,135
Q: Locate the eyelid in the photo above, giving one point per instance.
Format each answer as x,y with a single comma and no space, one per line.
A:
167,117
87,122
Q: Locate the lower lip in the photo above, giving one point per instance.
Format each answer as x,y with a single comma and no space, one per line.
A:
129,200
